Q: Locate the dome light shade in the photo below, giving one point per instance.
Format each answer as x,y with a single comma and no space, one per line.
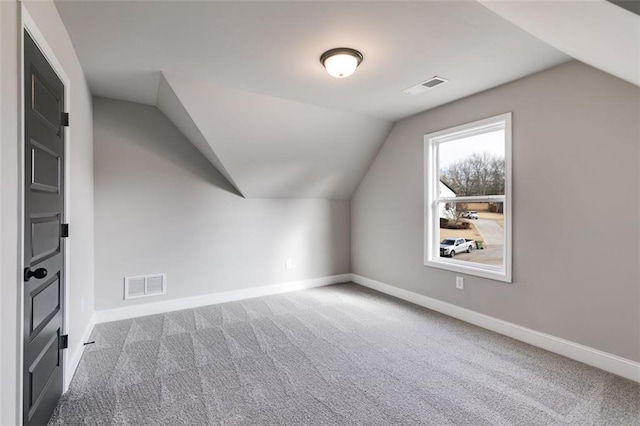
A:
341,62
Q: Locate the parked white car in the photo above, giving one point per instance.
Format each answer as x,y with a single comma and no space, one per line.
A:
471,215
449,247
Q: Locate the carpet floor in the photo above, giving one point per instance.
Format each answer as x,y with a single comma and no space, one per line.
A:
337,355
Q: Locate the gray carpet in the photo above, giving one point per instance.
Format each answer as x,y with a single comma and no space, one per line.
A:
338,355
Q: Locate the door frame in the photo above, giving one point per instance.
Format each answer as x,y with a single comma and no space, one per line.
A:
28,24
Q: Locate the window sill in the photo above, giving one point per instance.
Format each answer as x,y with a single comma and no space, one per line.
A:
484,271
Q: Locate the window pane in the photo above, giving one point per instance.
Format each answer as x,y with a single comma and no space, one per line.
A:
480,225
474,165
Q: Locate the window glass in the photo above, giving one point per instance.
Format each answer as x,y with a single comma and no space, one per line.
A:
473,165
467,198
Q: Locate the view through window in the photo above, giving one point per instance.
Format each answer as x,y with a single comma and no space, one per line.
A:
467,198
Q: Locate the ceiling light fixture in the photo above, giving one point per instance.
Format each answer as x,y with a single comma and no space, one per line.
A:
341,62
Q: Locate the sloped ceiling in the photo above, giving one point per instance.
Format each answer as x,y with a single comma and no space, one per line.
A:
281,148
603,34
242,80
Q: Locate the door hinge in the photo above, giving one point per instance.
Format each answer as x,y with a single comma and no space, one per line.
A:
64,341
65,119
64,230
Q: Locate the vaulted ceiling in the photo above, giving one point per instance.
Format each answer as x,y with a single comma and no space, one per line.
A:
243,81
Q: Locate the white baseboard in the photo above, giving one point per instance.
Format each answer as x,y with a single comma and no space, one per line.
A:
71,365
141,310
594,357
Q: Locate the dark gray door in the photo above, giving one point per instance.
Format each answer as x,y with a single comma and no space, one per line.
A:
43,248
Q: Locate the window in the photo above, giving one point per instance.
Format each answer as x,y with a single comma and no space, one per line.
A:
468,198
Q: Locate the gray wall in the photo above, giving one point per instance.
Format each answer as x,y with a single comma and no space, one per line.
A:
161,207
576,140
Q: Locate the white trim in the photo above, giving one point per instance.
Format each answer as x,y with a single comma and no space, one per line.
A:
474,199
468,130
28,24
141,310
593,357
491,272
432,198
72,363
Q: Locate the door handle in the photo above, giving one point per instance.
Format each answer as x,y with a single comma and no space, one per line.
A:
38,273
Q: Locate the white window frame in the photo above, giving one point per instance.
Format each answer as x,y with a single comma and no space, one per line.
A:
432,199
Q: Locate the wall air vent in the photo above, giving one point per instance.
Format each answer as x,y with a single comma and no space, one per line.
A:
145,286
425,85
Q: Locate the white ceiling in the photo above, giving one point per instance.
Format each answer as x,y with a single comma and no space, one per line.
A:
599,33
278,148
243,80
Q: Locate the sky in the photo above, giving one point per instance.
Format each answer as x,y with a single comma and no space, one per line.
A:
459,149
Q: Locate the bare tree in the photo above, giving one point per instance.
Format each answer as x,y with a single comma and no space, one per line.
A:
478,174
459,177
458,210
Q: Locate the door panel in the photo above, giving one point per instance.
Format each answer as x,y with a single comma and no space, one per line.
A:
45,169
43,248
45,303
44,101
43,370
45,236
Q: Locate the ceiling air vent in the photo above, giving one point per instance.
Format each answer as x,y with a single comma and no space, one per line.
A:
425,85
144,286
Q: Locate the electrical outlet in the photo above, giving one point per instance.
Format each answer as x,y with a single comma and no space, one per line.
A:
460,283
288,264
